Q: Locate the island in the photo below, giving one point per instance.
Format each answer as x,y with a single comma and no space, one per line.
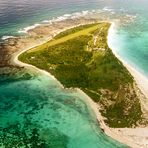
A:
80,57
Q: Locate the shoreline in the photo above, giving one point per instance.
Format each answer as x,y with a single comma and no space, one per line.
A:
138,77
140,134
95,107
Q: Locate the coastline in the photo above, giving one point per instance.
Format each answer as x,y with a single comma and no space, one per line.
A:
140,79
138,134
95,107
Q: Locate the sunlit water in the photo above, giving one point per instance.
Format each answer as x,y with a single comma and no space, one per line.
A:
36,108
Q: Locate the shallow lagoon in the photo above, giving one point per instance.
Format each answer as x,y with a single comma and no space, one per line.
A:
35,110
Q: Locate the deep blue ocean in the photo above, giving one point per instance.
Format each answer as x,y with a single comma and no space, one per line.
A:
34,110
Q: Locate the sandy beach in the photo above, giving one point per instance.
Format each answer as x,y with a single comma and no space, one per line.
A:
138,136
140,79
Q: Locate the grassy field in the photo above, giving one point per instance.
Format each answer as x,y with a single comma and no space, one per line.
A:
64,38
80,57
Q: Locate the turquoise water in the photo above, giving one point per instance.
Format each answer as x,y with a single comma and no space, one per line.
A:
36,110
131,41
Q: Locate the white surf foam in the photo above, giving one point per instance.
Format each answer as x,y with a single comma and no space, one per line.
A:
26,29
69,16
46,21
107,9
7,37
57,19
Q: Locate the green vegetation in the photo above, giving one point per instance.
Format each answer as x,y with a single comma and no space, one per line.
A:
74,30
80,57
53,42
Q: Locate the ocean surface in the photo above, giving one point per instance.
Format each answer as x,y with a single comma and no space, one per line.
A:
34,109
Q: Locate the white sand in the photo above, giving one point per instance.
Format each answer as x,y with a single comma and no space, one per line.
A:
108,131
140,79
139,136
